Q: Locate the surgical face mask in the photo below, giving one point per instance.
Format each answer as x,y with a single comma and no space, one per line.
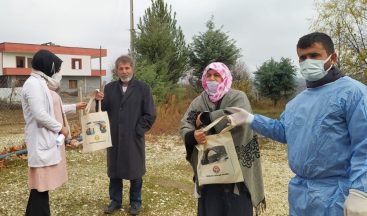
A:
212,86
313,69
57,77
54,82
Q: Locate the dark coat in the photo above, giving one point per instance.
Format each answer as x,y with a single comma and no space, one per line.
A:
131,114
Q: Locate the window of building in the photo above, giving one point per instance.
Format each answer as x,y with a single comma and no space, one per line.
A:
20,61
73,84
20,83
76,64
29,62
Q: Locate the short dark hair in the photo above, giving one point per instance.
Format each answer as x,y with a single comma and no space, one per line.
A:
317,37
124,59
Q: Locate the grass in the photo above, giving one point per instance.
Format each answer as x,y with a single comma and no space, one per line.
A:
266,108
167,187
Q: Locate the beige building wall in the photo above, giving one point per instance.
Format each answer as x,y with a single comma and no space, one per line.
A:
9,59
66,67
1,63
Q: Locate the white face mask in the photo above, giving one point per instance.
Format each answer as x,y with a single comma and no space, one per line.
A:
212,86
312,69
54,82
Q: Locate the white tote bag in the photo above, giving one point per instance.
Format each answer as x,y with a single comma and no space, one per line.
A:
217,159
356,203
95,129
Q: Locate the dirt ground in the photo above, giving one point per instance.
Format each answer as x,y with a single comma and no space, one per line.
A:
11,128
12,122
167,190
168,186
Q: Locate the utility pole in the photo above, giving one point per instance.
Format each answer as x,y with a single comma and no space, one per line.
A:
132,31
100,68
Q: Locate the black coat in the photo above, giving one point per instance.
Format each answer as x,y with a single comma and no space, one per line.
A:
131,114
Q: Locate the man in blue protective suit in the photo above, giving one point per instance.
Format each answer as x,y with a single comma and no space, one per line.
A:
325,127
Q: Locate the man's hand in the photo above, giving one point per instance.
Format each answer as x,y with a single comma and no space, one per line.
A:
239,116
80,105
99,95
200,136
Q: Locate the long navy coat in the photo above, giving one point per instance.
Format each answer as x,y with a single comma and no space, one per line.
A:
131,114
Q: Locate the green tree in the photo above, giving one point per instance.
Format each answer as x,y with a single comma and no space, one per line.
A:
212,45
346,22
160,51
276,80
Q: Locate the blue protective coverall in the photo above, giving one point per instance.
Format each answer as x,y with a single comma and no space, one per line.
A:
326,132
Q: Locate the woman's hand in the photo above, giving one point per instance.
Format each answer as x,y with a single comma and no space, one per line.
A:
64,131
198,122
200,136
80,105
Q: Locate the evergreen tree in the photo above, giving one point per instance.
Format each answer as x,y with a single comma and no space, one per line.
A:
160,50
276,80
212,45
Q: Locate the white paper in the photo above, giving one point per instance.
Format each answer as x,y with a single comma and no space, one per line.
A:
60,139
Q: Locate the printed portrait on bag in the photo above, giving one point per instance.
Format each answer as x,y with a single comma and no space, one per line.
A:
214,154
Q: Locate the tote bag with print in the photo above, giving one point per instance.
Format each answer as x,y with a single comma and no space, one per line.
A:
95,129
356,203
217,159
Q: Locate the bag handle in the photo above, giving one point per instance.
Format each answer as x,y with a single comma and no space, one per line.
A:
216,121
89,104
358,193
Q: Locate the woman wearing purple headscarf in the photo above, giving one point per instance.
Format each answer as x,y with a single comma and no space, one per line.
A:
218,99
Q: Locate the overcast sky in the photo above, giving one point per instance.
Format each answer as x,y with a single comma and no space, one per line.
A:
261,28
